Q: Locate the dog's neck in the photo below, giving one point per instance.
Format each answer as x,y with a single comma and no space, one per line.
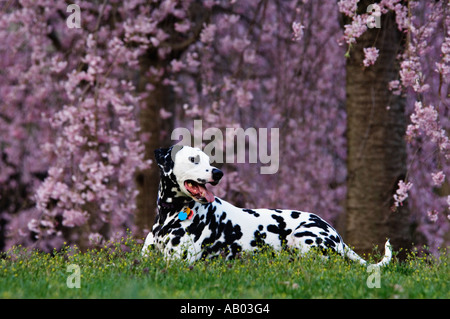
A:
170,203
170,198
173,204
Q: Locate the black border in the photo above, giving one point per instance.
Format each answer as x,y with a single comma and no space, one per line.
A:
171,308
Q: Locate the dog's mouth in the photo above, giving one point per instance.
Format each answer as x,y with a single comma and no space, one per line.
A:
199,191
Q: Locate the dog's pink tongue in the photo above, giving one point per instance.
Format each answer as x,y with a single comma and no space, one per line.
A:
209,196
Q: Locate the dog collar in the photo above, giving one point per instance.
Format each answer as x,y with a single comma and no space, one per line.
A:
170,205
186,213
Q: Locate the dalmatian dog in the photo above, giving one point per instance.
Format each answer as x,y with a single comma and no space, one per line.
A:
193,224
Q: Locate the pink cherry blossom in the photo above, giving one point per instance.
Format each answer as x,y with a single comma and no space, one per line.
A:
438,178
348,7
401,193
370,56
73,218
208,32
432,215
355,29
297,28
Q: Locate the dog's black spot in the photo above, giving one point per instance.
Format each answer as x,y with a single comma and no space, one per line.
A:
218,201
196,227
318,222
309,241
251,211
336,239
259,239
211,209
176,241
318,240
232,232
167,228
279,219
295,214
329,243
276,210
279,229
305,233
235,249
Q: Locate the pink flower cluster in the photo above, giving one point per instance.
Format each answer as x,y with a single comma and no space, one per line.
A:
370,56
411,68
443,67
208,33
433,215
438,178
425,119
348,7
80,114
297,28
402,193
355,29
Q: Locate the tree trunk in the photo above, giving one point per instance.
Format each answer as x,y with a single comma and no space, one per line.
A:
376,124
158,132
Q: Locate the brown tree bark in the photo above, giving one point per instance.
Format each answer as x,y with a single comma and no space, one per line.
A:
376,125
148,180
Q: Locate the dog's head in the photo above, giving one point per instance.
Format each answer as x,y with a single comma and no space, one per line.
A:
190,168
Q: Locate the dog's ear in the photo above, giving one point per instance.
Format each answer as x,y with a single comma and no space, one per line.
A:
160,155
174,150
165,157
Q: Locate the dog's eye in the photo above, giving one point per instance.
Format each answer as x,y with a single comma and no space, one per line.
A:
195,159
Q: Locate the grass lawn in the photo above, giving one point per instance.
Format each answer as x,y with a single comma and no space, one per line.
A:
117,270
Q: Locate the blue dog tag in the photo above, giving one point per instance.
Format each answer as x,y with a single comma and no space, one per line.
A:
182,215
186,213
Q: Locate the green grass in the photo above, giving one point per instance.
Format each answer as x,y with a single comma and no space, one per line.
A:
117,270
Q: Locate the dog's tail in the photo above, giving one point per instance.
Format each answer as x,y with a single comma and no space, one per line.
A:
348,252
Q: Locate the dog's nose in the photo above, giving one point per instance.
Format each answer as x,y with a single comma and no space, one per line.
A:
217,174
